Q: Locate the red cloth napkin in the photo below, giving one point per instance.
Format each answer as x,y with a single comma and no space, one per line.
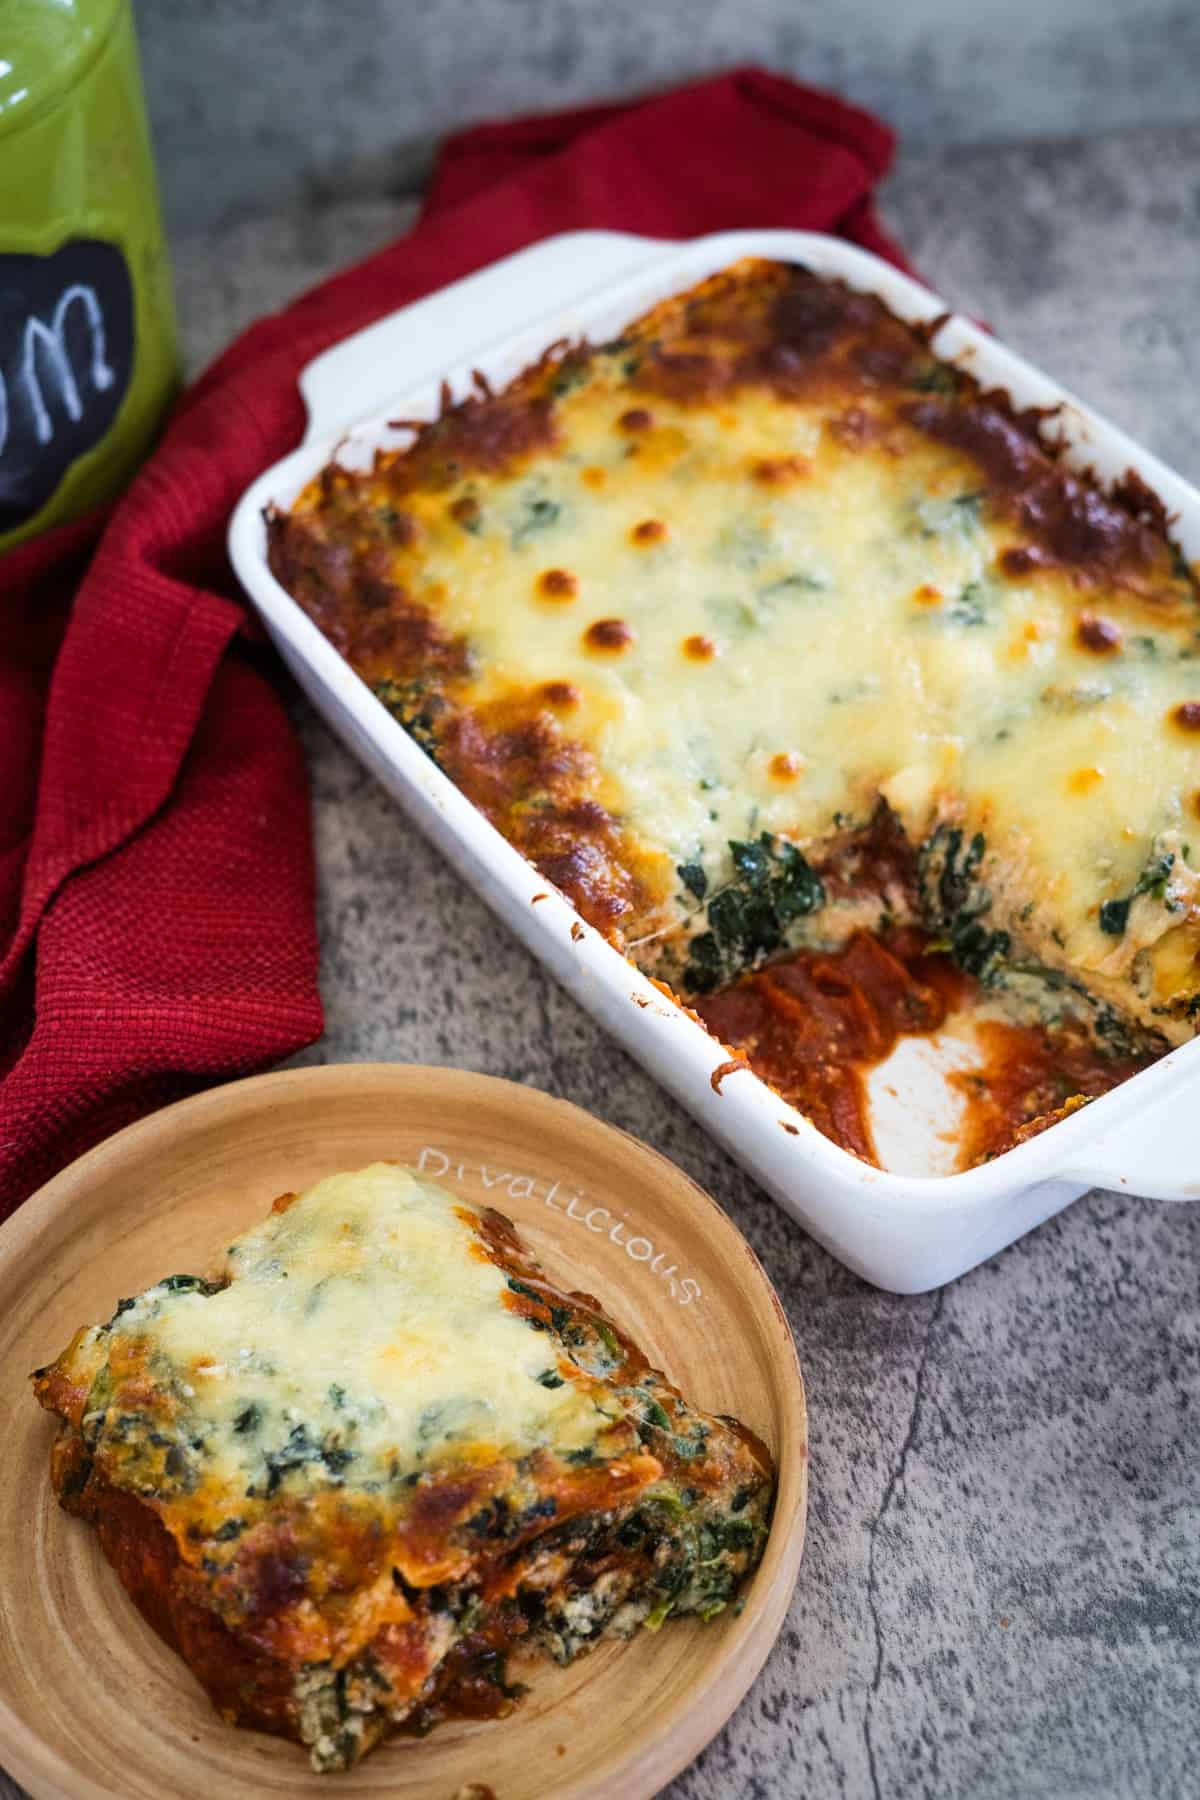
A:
156,882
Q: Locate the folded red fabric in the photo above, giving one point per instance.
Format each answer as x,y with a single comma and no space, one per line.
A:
156,882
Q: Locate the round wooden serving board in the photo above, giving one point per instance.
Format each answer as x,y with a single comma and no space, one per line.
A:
93,1704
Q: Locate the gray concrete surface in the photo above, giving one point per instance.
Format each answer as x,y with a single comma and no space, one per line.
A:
258,103
1000,1597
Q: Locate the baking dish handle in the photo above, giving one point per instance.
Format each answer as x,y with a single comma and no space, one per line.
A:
1155,1154
345,383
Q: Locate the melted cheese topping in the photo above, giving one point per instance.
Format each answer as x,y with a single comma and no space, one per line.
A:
367,1317
859,627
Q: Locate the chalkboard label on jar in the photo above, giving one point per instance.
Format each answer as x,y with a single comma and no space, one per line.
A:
66,358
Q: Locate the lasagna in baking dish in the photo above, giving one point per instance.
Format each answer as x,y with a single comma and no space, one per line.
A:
808,670
378,1452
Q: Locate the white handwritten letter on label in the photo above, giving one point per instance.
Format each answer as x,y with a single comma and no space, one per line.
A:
50,340
497,1181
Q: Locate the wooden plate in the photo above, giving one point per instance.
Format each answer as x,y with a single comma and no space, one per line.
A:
92,1703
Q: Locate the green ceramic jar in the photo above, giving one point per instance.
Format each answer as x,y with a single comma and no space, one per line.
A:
88,350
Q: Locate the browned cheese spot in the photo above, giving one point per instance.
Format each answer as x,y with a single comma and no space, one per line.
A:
557,584
1094,633
780,471
1020,560
610,635
562,695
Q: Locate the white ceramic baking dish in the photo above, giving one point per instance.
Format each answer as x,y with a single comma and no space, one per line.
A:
904,1231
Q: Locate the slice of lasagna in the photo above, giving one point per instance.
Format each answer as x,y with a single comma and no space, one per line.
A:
377,1453
760,627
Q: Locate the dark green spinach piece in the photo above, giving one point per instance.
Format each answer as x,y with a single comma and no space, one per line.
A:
538,514
956,902
935,378
1114,914
970,608
415,708
693,878
748,919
